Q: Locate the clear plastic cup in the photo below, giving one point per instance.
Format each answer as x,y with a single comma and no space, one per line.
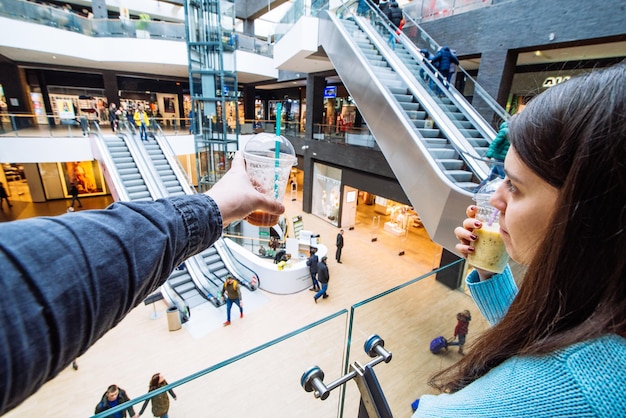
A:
489,249
269,159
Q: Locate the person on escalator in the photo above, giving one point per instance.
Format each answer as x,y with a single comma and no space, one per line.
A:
110,261
395,16
497,152
442,61
142,121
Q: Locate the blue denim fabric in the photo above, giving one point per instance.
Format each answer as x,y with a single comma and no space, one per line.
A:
322,291
142,132
229,304
67,280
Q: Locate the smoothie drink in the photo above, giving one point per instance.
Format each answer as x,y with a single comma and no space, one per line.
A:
490,252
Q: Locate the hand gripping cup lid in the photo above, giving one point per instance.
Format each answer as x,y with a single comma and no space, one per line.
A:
269,159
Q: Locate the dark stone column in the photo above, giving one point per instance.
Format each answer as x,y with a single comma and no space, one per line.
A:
111,88
315,86
249,94
496,80
314,109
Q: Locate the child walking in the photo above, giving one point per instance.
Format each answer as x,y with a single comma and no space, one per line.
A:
461,329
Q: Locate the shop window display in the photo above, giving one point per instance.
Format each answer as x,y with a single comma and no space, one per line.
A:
327,193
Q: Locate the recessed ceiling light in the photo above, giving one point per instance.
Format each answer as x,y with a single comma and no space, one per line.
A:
54,57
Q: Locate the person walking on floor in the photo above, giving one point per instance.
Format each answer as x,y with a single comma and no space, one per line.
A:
323,276
231,293
74,193
4,196
312,262
160,402
113,397
339,246
461,329
142,122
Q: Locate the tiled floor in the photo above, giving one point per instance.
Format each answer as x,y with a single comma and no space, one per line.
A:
266,384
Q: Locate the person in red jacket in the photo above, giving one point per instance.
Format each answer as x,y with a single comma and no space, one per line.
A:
461,329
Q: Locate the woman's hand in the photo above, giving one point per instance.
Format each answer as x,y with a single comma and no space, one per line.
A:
466,235
236,196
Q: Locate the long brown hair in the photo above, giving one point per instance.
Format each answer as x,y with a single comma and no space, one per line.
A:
154,382
574,137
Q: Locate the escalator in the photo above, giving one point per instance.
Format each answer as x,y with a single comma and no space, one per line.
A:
162,156
432,144
210,268
131,176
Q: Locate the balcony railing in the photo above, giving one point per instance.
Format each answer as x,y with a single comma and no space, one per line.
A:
64,19
333,343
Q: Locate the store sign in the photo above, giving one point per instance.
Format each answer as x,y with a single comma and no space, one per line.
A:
553,81
65,109
330,92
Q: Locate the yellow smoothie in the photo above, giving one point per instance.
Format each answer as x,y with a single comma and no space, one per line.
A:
490,252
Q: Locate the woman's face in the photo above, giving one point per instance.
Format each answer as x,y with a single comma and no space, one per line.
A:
526,203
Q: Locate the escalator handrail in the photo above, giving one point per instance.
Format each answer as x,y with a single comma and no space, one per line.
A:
394,105
173,161
101,152
235,265
449,129
451,132
484,95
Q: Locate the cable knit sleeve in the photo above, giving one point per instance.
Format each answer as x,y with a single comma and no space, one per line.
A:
67,280
493,296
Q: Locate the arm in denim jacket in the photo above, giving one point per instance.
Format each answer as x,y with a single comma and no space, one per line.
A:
65,281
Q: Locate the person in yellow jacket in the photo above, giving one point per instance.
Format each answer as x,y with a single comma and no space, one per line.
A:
142,122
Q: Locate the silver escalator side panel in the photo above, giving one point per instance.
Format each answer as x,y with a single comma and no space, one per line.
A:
173,161
109,169
433,109
440,203
236,268
208,288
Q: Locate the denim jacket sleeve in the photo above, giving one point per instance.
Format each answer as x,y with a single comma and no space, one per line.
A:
66,280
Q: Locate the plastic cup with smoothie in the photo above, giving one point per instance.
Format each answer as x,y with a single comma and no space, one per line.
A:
489,249
269,159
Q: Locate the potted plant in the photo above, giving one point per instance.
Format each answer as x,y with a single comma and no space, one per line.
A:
142,26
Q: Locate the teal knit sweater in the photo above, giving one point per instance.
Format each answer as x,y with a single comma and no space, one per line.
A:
587,379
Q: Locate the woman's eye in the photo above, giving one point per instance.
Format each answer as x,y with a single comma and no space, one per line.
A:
510,186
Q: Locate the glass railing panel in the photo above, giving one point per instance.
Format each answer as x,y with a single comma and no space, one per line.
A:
407,318
61,18
34,126
263,381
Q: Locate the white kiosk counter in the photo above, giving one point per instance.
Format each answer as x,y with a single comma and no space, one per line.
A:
295,277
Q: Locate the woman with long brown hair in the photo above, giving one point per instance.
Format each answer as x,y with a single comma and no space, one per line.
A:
557,347
160,402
